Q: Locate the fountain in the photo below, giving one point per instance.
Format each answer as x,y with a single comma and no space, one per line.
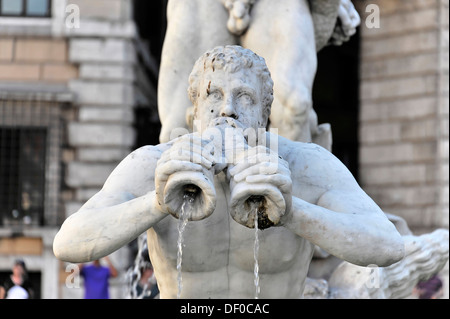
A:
133,288
298,194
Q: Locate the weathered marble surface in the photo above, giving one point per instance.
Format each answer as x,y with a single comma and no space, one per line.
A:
315,199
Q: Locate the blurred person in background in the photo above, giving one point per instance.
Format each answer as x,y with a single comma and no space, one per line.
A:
429,289
96,278
17,285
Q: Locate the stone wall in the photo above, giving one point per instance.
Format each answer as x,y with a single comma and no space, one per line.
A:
404,110
103,133
24,59
113,80
34,72
110,57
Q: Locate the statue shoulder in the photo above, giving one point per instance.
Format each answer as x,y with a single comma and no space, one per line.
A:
301,152
312,159
148,152
139,165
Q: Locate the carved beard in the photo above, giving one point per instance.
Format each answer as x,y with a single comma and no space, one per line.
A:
227,122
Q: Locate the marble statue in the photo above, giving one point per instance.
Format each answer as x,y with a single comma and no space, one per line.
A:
286,33
425,256
237,176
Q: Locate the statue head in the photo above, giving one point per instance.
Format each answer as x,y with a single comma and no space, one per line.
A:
234,82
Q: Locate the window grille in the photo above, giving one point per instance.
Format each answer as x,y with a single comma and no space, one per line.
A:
30,142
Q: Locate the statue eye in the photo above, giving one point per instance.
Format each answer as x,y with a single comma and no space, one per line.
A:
215,95
245,99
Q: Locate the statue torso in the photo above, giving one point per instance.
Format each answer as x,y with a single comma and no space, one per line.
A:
218,256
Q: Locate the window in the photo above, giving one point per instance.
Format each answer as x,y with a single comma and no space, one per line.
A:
22,173
30,142
25,8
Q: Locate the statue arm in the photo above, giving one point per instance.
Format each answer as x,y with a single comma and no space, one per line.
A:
124,208
344,220
361,239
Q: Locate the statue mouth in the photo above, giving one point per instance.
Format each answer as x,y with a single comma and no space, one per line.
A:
227,122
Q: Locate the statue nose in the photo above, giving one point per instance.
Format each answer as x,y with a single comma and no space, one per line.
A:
228,110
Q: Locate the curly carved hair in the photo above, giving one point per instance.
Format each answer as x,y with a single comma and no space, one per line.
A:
232,58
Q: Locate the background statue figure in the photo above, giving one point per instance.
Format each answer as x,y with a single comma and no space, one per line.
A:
286,33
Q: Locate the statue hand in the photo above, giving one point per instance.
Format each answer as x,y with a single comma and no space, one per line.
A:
260,182
185,173
349,19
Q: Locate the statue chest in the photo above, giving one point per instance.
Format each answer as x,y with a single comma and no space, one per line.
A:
218,241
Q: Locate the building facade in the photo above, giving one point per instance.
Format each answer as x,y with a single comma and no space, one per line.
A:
404,110
76,79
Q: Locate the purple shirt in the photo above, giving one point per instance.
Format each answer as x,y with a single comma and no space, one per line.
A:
96,284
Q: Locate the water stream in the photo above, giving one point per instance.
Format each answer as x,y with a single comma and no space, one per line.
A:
256,255
133,274
188,198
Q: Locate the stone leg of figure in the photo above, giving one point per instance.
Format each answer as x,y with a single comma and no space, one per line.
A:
425,255
283,33
194,27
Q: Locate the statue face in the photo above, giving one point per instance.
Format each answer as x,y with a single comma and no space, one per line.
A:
230,95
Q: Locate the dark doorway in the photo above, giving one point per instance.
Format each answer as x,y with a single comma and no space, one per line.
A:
151,22
336,96
150,17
